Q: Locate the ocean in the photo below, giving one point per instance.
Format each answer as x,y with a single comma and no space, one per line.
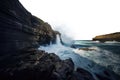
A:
93,56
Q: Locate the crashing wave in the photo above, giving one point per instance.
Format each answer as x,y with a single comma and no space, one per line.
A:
102,57
111,42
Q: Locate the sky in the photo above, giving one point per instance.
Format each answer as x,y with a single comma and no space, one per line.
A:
78,19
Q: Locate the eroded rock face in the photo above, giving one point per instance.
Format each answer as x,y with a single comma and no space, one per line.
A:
21,34
108,37
19,29
44,33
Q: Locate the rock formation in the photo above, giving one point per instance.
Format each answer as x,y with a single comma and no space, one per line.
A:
21,34
108,37
19,29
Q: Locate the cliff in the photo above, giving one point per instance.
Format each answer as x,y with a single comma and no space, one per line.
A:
19,29
21,34
108,37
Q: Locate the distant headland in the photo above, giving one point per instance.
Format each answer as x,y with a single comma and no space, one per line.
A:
108,37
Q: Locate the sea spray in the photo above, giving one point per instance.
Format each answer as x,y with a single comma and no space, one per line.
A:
58,40
95,60
102,57
57,48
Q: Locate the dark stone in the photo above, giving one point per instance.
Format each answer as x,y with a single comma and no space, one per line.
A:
100,77
64,69
19,29
85,74
107,73
21,34
81,74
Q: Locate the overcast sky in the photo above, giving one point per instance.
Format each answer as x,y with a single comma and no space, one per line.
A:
79,19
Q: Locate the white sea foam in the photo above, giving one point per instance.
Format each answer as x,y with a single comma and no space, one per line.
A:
91,60
102,57
97,41
57,48
112,42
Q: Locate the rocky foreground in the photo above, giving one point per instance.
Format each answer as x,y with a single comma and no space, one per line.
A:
39,65
21,34
108,37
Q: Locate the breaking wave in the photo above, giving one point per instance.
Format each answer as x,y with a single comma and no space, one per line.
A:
102,57
94,59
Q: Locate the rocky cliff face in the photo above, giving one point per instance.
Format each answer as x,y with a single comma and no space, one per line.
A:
21,34
108,37
19,29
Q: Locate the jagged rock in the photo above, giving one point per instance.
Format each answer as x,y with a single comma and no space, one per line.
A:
108,37
64,69
19,29
87,49
37,66
21,34
40,65
82,74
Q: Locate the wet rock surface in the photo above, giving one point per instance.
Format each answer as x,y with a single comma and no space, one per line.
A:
21,34
39,65
81,74
87,49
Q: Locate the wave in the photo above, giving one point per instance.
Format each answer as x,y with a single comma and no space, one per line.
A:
102,57
93,59
111,42
57,48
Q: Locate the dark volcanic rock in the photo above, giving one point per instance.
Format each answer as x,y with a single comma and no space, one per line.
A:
108,37
100,77
21,33
19,29
39,65
82,74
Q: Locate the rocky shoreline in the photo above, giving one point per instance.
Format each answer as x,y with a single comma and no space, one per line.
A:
108,37
40,65
21,35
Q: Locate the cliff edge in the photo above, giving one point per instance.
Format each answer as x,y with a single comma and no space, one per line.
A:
19,29
21,34
108,37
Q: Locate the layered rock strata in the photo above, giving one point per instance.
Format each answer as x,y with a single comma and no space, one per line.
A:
108,37
21,34
19,29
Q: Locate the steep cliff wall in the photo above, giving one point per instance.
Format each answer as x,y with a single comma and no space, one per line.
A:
19,29
21,33
108,37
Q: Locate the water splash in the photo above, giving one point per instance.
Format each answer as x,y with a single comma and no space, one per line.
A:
58,41
57,48
94,61
102,57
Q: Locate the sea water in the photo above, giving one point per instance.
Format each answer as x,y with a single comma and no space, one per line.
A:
96,59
